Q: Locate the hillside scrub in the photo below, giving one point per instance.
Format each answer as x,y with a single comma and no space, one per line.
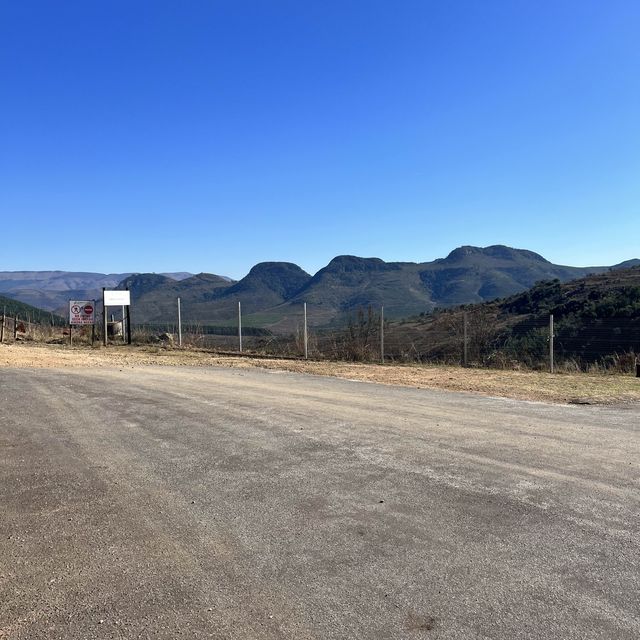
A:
596,326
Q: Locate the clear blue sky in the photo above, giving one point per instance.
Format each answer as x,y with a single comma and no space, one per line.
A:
210,135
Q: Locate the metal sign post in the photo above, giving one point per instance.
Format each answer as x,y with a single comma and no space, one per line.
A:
382,335
116,298
465,348
551,337
81,313
128,322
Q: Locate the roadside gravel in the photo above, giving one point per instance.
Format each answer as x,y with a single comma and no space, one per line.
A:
572,388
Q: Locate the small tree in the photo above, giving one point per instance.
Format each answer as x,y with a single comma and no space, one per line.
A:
360,336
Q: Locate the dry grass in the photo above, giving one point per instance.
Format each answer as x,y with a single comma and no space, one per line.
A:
525,385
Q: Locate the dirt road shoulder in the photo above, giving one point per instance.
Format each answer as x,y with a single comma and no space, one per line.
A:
578,388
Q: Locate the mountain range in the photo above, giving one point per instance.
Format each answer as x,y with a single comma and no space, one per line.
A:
51,290
272,293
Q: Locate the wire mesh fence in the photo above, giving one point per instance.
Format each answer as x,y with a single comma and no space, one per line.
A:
16,328
474,338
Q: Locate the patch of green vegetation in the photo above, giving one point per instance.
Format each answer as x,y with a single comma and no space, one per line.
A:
596,322
24,311
261,319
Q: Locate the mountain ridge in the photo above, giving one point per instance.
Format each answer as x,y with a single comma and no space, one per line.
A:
51,290
272,293
467,275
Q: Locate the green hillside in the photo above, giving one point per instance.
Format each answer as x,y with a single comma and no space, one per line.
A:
27,312
154,297
596,319
210,299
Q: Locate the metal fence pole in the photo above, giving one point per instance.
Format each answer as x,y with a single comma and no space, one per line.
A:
128,321
306,334
382,334
4,315
240,326
551,336
179,325
15,328
104,319
465,349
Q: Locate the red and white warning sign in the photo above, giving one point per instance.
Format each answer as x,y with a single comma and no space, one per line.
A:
81,312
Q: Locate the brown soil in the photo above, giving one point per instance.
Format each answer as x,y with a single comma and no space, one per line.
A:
525,385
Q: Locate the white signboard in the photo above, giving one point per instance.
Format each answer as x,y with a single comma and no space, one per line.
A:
116,298
81,312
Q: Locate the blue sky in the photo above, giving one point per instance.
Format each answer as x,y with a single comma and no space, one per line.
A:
211,135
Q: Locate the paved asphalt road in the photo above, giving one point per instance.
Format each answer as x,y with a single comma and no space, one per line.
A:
170,503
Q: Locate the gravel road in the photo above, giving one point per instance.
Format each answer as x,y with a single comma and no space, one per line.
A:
216,503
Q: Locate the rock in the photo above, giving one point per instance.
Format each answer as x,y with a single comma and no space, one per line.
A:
166,337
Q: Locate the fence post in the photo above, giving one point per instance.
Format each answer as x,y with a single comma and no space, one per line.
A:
382,334
104,320
239,326
4,314
465,347
128,321
306,334
179,325
15,327
551,336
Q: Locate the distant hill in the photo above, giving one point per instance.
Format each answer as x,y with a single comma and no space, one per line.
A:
635,262
474,274
51,290
24,311
466,275
349,282
155,296
213,300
